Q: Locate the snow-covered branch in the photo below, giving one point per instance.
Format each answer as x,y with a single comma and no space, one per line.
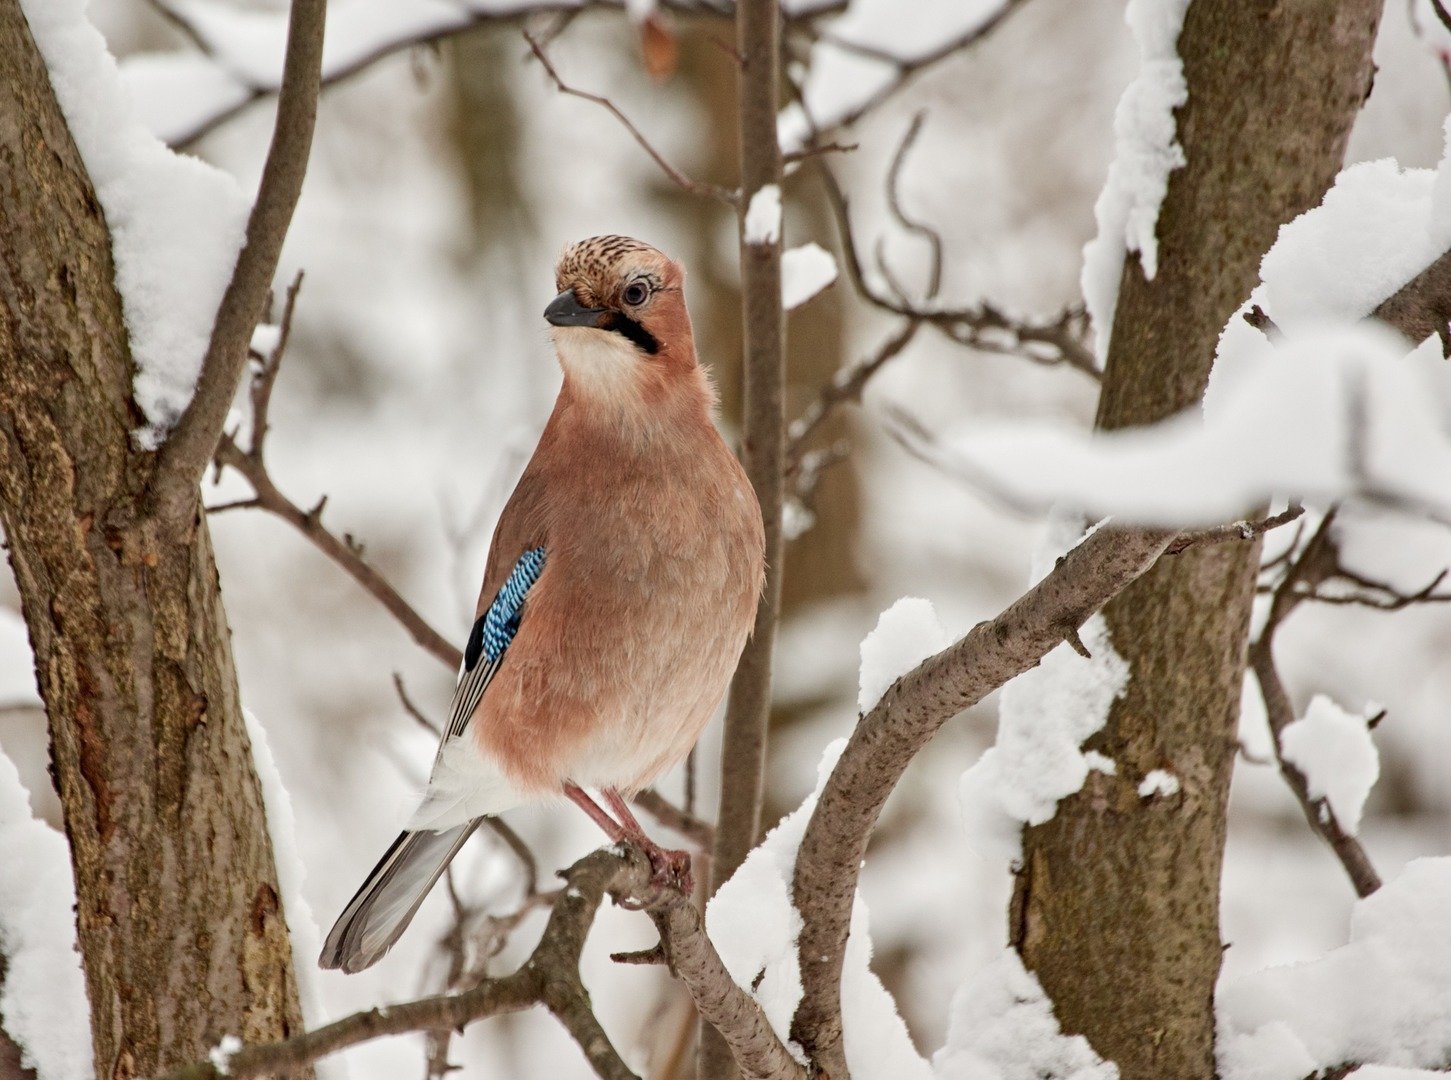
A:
191,444
890,735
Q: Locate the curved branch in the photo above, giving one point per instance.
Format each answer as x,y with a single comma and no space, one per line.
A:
172,493
889,736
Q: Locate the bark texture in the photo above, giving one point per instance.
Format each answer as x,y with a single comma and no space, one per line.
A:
180,922
1116,903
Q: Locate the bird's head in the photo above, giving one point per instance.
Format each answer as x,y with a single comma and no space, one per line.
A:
619,321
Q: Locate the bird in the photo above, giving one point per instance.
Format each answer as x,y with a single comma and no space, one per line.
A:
619,591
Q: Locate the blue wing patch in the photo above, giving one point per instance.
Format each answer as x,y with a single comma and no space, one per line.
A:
497,626
491,635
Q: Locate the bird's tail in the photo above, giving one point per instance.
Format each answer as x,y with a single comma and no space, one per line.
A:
384,906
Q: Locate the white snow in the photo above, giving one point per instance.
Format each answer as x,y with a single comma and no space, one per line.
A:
754,926
265,338
221,1055
1045,716
906,633
291,873
17,666
43,1003
1383,998
1100,762
1160,783
1334,751
805,271
176,223
1326,415
1002,1027
763,216
1146,151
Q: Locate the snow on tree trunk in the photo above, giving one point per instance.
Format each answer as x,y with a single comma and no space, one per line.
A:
181,930
1116,904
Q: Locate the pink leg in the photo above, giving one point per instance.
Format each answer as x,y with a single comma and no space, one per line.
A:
622,810
613,829
671,868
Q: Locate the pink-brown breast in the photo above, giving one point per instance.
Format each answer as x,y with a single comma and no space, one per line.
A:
654,563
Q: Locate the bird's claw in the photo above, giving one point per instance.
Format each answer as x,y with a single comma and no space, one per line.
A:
670,869
670,877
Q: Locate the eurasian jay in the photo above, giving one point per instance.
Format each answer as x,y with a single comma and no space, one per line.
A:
619,591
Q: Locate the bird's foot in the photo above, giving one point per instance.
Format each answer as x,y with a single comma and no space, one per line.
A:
670,876
671,868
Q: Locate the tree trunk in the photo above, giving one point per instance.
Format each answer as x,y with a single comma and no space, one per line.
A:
1116,906
180,924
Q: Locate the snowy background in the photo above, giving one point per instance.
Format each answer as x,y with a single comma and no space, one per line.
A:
442,184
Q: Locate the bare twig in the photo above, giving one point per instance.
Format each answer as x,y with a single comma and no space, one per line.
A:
1441,13
266,379
427,36
908,68
982,327
847,385
907,221
1316,563
686,183
889,736
1234,531
172,494
309,523
413,710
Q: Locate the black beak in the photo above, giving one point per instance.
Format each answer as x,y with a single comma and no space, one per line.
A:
566,310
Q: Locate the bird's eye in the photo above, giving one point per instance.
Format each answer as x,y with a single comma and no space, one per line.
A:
636,293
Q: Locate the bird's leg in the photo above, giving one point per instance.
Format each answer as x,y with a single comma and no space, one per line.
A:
622,810
613,829
671,867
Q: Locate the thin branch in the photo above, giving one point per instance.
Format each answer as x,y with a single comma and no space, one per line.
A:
551,977
413,710
1441,13
983,327
309,523
908,68
909,714
266,379
846,386
1316,563
695,187
1234,531
907,221
427,35
172,494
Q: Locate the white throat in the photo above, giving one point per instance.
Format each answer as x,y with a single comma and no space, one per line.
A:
600,363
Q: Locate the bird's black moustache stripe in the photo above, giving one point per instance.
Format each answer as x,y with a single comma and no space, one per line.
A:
621,323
